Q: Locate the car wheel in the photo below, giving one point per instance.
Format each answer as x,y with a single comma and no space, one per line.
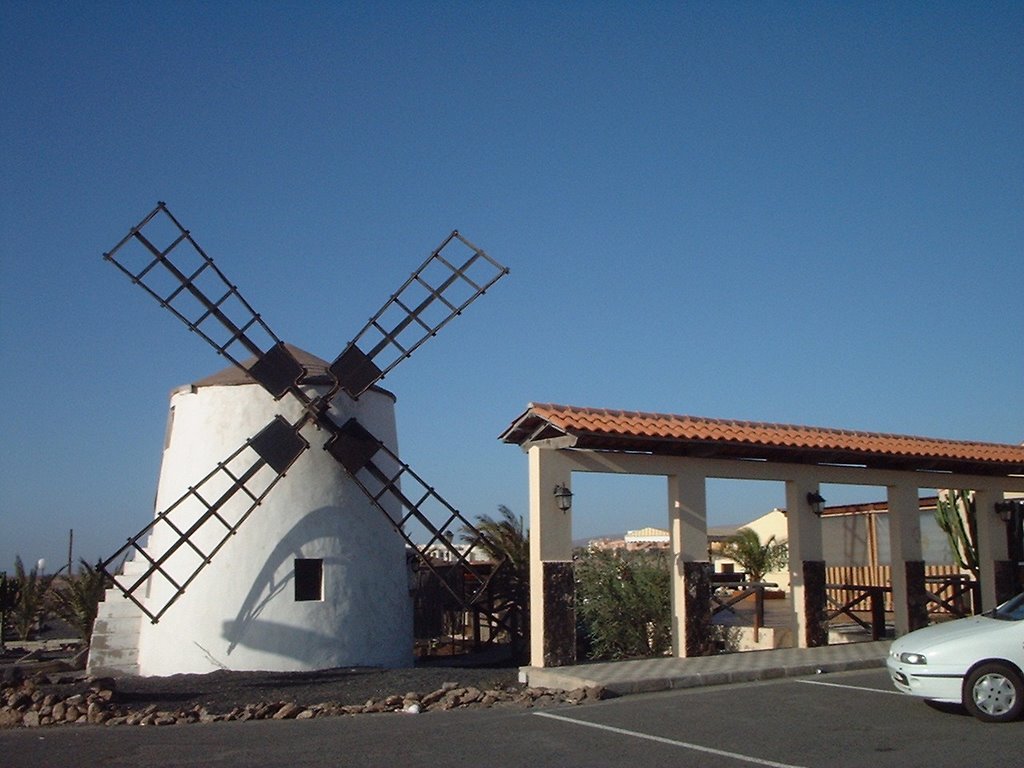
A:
994,693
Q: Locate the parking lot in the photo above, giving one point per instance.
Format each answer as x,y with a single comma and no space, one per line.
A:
843,719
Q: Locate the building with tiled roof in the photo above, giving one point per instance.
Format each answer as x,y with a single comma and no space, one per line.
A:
674,435
689,450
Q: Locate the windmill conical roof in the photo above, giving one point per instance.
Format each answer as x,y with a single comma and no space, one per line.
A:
316,372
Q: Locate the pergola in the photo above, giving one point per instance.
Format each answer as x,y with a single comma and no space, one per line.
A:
560,440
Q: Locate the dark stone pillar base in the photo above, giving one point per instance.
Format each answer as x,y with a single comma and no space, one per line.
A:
1006,580
559,614
917,594
697,598
815,603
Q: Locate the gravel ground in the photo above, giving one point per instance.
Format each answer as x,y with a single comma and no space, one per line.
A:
222,691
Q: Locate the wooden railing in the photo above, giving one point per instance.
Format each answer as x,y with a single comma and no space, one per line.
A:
725,595
946,586
955,594
857,600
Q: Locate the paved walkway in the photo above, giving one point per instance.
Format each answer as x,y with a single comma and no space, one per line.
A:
646,675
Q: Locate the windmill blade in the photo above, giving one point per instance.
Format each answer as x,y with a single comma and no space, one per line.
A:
181,540
160,255
451,278
413,507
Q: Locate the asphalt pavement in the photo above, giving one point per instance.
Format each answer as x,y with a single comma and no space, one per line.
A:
827,720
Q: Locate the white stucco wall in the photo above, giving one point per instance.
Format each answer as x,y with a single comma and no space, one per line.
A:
241,611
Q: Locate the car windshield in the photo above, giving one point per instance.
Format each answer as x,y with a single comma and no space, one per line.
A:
1011,610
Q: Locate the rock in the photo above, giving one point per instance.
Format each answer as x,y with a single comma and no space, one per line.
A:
576,695
432,697
102,684
288,711
306,714
265,711
30,719
59,710
72,713
19,700
9,718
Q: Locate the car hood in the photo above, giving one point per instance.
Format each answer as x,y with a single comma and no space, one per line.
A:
936,634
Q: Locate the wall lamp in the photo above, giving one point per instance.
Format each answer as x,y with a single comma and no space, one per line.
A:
1005,509
816,502
563,497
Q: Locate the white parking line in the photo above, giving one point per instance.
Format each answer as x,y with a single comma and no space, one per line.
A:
670,742
850,687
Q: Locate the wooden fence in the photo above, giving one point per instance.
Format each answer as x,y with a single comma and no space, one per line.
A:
878,576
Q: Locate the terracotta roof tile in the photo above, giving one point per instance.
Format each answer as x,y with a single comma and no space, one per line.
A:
601,428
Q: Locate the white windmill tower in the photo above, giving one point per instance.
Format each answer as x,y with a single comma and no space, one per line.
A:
262,554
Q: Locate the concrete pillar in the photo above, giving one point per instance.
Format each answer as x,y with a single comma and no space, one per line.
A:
552,587
806,565
995,571
909,596
691,570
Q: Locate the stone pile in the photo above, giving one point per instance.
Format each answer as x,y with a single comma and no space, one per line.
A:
23,703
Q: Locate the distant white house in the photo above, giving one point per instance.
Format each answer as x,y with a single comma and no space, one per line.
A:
646,538
441,553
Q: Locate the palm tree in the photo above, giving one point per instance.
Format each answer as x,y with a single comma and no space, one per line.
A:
76,599
507,543
501,538
30,591
752,556
8,597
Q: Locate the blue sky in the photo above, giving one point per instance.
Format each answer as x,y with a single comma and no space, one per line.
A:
806,213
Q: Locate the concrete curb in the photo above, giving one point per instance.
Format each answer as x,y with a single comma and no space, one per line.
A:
651,675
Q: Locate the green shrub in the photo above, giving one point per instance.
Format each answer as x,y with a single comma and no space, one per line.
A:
623,608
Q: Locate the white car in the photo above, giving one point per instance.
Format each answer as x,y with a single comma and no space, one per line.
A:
978,661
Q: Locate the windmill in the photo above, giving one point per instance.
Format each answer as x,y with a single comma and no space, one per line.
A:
306,401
